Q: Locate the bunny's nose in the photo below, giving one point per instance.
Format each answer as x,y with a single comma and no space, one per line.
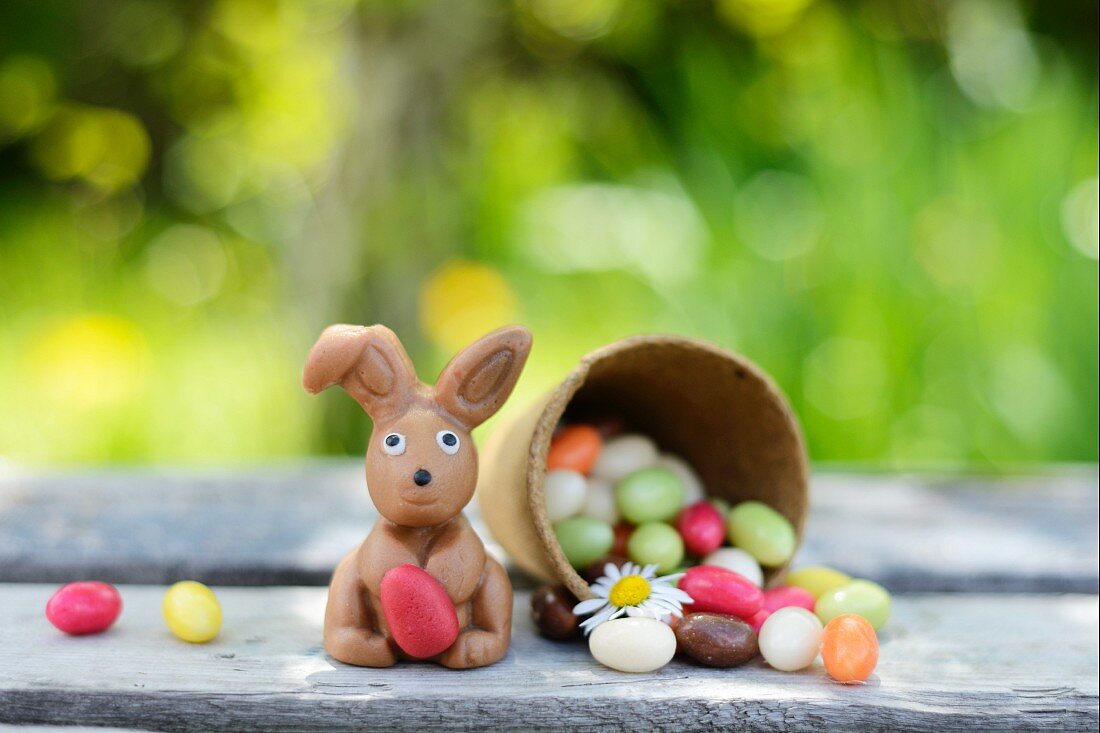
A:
422,477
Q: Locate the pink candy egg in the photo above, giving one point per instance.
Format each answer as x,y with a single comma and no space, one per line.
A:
788,595
702,528
418,611
85,607
757,619
721,591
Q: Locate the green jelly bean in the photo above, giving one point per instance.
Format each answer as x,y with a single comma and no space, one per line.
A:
861,597
762,532
817,579
720,504
649,495
656,543
584,540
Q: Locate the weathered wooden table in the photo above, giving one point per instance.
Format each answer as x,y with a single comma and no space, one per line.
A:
994,626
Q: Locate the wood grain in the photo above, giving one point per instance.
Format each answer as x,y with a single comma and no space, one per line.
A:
290,525
991,661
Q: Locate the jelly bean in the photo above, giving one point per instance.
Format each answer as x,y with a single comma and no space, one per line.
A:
84,607
790,639
721,591
633,644
762,532
716,640
192,611
738,561
817,579
598,567
651,494
552,612
757,619
419,613
656,543
565,493
623,456
575,448
869,600
583,539
849,648
788,595
721,505
622,536
702,528
693,487
599,501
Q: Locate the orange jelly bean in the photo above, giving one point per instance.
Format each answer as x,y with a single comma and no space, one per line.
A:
575,448
849,648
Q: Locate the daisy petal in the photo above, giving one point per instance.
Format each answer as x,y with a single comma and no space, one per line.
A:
610,571
590,606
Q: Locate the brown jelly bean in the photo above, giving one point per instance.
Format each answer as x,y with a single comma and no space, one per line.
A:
716,640
552,611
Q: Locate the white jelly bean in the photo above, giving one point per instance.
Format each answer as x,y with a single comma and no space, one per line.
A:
790,639
633,644
693,487
623,456
737,560
564,491
599,501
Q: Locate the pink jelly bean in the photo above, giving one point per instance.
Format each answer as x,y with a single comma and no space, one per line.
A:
85,607
788,595
757,619
702,528
418,611
721,591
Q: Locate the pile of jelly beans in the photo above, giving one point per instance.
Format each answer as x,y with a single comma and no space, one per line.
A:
616,497
191,610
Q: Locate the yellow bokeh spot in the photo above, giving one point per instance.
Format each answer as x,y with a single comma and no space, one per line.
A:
629,591
107,148
464,300
27,88
89,361
761,17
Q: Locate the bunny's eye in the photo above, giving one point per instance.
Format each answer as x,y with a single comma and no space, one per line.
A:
448,442
394,444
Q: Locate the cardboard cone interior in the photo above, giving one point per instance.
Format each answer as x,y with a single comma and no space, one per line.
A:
713,408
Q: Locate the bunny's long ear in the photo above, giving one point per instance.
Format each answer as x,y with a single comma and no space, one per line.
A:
368,362
475,383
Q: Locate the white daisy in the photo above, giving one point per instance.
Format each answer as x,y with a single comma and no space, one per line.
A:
635,591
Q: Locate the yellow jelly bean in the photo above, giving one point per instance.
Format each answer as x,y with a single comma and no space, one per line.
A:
817,579
192,611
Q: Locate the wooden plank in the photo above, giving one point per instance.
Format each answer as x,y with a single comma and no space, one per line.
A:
992,661
290,524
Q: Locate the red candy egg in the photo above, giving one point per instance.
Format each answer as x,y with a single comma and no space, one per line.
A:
85,607
418,611
788,595
721,591
702,528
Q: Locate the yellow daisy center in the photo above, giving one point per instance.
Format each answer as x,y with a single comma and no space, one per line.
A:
629,591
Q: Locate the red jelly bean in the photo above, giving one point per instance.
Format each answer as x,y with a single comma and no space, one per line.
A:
622,536
702,527
721,591
788,595
86,607
575,448
418,611
757,619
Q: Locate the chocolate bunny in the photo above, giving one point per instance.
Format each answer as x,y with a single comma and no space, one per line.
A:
421,471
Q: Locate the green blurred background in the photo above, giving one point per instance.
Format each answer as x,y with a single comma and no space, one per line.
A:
890,206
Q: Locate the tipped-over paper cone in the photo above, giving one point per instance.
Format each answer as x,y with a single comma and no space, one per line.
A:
709,406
